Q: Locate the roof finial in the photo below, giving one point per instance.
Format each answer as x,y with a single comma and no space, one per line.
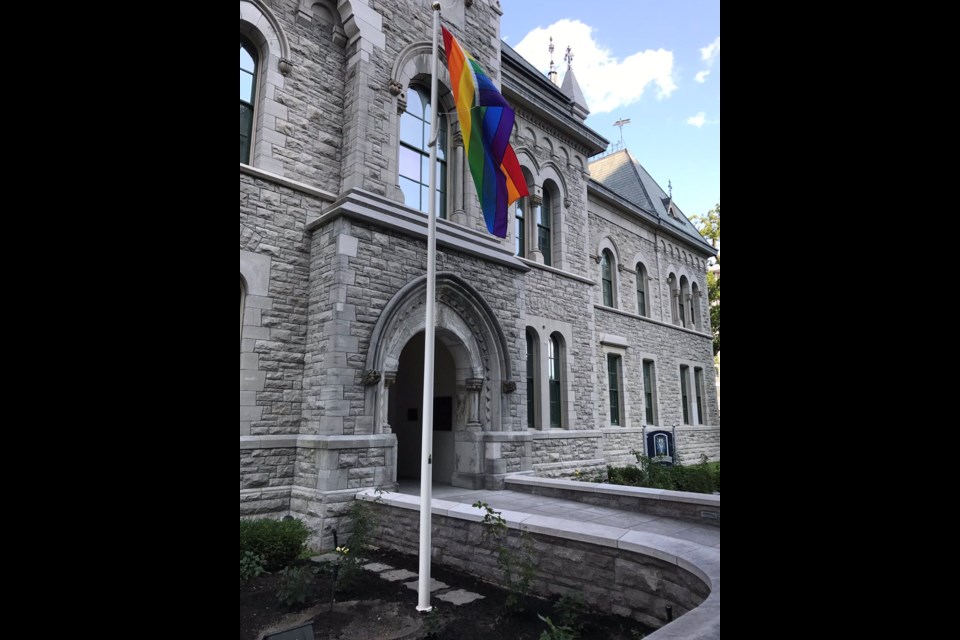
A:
670,187
569,58
553,68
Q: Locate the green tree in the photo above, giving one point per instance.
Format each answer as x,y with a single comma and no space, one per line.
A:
709,228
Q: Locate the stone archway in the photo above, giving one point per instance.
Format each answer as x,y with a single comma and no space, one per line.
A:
471,334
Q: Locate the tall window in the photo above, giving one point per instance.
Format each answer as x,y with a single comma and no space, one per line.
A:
613,376
544,240
553,364
531,385
698,380
649,375
641,289
520,235
606,274
684,373
684,294
248,74
415,153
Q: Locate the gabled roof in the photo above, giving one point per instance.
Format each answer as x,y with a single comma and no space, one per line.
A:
623,174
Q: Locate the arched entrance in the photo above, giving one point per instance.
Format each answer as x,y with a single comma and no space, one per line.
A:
472,373
406,413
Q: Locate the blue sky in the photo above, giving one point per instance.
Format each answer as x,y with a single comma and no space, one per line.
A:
654,62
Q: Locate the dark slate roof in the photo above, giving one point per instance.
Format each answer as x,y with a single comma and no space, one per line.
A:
622,174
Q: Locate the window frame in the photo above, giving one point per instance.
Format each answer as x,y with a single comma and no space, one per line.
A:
247,45
423,151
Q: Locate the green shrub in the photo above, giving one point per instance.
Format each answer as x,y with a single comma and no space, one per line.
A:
554,632
698,478
251,565
295,585
277,542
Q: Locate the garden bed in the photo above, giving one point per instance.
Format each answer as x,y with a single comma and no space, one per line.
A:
372,608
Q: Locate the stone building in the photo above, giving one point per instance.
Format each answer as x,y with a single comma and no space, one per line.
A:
556,346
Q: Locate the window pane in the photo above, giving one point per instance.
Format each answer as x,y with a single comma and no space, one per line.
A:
411,192
411,130
410,163
246,86
414,105
246,118
246,60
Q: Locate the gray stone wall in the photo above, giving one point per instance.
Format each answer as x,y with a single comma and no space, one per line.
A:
670,347
550,295
307,122
697,441
608,579
371,265
261,468
618,447
272,220
551,451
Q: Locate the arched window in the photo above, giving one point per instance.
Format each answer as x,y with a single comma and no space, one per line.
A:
684,303
531,382
544,237
415,153
606,274
641,289
248,77
555,368
695,306
520,236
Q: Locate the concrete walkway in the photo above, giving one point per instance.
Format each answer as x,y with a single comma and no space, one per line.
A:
705,535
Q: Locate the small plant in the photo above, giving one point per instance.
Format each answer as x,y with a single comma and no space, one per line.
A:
517,565
570,611
433,623
554,632
251,566
295,585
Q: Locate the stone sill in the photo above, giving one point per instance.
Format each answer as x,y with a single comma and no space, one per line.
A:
563,434
317,442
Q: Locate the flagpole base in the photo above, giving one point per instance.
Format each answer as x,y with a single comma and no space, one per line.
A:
424,609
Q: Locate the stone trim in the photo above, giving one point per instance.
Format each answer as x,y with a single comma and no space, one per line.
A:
564,434
376,210
302,187
600,307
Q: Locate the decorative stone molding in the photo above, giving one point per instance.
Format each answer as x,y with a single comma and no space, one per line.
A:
468,3
596,259
285,66
509,386
474,384
395,88
567,203
370,377
390,378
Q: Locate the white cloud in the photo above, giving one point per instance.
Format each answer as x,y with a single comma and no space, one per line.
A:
701,76
710,52
607,83
698,120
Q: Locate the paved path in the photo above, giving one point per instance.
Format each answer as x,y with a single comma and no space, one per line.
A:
705,535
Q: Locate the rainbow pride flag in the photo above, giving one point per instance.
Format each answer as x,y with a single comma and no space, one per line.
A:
486,121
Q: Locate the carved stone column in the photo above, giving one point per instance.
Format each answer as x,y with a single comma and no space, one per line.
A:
388,381
459,215
676,307
689,304
535,200
474,387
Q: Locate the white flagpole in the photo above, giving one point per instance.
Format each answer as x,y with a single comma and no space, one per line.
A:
426,448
